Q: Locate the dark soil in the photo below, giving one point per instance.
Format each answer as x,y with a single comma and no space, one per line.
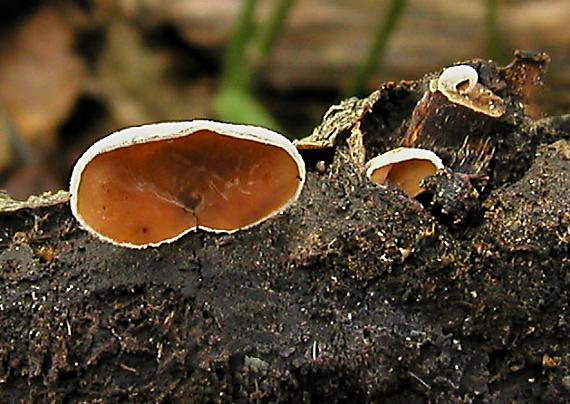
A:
355,294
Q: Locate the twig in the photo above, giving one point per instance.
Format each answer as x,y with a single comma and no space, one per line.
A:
422,382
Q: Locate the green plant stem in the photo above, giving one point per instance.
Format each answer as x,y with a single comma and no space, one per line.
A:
245,57
233,74
491,31
376,51
263,43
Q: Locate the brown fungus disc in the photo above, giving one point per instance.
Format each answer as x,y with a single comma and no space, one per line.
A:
152,184
404,168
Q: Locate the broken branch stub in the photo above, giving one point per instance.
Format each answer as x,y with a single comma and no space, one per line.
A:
469,114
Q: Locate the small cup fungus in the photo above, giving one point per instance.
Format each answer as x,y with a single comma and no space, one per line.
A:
458,79
404,168
459,84
147,185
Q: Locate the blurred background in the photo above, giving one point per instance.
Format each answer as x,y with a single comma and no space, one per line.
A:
72,71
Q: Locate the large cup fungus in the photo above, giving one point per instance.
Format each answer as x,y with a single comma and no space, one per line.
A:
404,168
147,185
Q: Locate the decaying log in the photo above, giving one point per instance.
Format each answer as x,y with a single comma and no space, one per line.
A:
355,293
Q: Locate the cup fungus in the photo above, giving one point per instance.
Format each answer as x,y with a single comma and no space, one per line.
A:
404,168
459,84
147,185
458,79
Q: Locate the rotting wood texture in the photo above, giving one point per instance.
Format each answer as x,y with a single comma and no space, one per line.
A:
354,293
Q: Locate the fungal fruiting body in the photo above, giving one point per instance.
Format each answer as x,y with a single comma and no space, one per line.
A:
404,168
458,79
146,185
459,84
